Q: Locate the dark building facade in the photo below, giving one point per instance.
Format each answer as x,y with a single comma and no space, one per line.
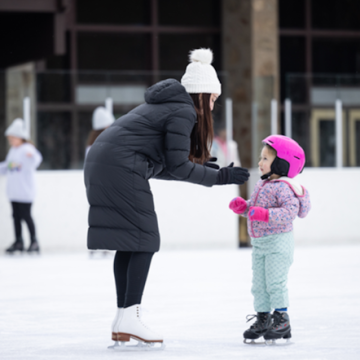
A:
69,55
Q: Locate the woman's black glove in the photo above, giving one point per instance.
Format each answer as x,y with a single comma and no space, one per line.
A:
232,175
210,165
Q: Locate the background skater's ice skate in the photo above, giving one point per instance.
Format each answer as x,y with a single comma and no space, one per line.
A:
17,246
279,329
99,254
130,326
258,329
34,247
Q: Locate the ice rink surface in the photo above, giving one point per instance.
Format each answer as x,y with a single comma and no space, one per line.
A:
60,306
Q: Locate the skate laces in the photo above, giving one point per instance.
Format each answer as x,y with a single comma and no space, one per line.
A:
260,319
277,317
138,313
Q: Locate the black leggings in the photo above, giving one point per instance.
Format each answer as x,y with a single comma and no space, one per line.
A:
22,211
131,270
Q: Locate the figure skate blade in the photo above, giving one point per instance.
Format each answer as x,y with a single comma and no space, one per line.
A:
140,346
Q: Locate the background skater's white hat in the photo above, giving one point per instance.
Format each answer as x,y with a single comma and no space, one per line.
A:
102,118
17,128
200,76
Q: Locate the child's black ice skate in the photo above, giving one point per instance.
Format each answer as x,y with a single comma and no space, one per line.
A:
18,245
258,329
279,329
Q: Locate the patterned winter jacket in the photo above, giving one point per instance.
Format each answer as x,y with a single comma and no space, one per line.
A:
284,198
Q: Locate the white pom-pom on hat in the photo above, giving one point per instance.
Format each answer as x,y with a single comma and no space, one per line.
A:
205,56
200,76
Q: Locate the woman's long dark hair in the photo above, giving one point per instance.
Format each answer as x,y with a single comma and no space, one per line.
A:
93,136
203,131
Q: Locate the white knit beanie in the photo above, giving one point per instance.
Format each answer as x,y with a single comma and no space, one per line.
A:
17,128
200,76
102,118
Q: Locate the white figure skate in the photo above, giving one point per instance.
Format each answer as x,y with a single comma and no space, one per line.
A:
128,325
115,324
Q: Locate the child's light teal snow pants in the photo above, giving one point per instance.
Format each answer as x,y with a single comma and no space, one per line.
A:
271,259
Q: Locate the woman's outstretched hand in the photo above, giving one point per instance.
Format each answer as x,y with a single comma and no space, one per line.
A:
210,164
238,205
232,175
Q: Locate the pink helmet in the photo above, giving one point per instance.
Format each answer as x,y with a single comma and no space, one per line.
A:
290,159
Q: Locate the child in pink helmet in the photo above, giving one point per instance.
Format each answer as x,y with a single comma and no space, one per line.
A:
274,204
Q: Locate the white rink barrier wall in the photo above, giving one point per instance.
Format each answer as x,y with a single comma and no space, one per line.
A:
335,198
190,216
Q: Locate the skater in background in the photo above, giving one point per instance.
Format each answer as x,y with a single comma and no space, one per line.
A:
225,152
276,201
168,137
19,166
101,120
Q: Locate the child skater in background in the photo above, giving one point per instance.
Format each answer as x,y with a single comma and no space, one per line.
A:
276,201
101,120
21,162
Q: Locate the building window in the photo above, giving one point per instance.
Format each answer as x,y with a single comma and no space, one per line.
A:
335,14
336,55
292,60
54,140
114,51
189,12
174,49
292,14
113,12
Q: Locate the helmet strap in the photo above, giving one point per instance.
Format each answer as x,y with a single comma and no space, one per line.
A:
266,176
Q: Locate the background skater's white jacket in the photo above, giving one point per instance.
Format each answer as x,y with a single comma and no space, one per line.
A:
217,150
19,166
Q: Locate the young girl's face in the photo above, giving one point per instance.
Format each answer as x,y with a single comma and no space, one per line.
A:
266,159
14,141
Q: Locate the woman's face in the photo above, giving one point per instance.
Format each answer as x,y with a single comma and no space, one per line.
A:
14,141
213,98
266,159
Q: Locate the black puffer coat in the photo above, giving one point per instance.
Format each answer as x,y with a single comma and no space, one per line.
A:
152,140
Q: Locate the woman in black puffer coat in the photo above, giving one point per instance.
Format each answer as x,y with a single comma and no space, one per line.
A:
168,137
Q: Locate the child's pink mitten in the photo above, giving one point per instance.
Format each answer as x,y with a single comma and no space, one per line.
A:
257,213
238,205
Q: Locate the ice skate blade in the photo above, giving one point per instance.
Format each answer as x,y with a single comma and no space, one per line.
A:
140,346
278,342
16,253
253,342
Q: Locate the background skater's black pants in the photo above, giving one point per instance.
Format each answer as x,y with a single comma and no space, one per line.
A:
22,211
131,270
